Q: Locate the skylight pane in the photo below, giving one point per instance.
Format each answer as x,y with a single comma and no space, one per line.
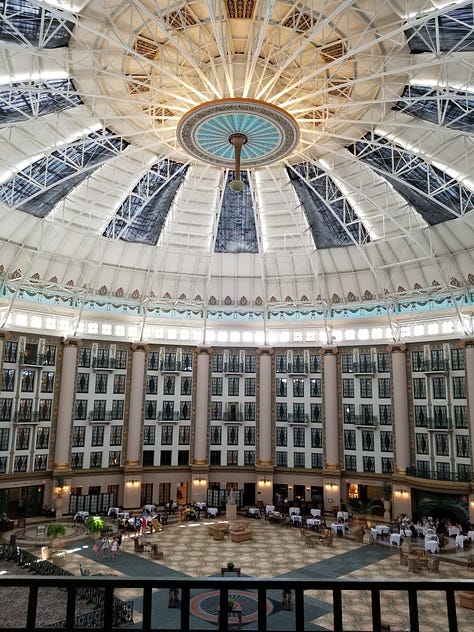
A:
431,191
448,108
444,33
23,100
332,220
24,23
236,232
39,187
142,215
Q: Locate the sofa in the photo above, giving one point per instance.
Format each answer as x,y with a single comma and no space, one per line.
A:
241,535
218,531
466,599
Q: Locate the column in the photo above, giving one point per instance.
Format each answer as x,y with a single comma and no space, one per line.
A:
3,337
132,467
62,443
135,411
400,421
469,368
264,460
265,455
331,422
202,406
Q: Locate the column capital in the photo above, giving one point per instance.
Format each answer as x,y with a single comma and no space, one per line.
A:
397,348
203,350
139,346
467,343
264,351
71,342
329,351
5,335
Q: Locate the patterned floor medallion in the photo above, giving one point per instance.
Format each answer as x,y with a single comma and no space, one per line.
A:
206,606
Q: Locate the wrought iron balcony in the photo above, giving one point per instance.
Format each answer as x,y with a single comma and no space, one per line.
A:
99,415
436,475
297,608
364,368
234,367
233,416
163,415
365,420
298,419
106,364
298,368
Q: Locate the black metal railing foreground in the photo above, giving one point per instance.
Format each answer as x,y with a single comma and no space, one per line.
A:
157,615
122,611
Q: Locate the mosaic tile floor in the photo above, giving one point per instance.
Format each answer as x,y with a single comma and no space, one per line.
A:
278,551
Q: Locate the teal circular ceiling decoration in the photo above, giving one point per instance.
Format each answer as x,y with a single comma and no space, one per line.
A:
271,133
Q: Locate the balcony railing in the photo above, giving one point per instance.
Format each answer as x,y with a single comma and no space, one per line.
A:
297,611
165,416
26,416
235,415
298,368
97,415
436,475
103,363
365,420
364,368
298,419
233,367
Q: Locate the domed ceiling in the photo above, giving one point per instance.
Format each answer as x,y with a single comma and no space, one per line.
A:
368,200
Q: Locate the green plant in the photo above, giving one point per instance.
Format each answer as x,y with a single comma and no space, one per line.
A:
230,565
55,530
94,524
230,603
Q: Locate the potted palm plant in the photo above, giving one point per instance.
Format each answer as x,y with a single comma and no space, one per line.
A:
94,525
53,530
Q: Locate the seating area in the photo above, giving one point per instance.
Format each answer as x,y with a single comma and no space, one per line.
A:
219,530
241,533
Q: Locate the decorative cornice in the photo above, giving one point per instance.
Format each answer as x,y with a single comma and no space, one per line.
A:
467,343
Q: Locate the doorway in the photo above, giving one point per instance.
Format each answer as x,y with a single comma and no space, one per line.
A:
249,494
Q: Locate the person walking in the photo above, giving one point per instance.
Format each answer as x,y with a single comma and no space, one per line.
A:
114,548
105,548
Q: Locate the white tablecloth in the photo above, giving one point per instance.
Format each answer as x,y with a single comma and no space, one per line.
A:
200,506
335,526
81,515
374,533
316,513
313,522
212,511
395,538
432,546
254,511
269,509
453,531
470,534
113,510
382,528
294,511
460,539
407,533
295,519
150,508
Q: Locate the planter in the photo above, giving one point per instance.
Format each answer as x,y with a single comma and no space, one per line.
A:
46,552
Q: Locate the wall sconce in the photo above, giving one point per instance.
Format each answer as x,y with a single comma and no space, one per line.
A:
331,486
200,481
132,483
472,503
401,493
264,481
